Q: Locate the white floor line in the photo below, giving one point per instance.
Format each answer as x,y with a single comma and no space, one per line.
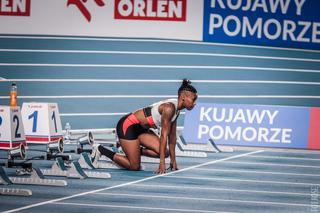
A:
258,172
139,207
163,81
286,158
130,183
242,180
164,53
93,114
148,196
98,114
218,189
163,67
165,96
202,43
273,164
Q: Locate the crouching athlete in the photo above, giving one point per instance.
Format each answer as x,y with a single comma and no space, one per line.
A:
136,138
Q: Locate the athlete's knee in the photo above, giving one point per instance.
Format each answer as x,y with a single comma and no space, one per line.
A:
134,167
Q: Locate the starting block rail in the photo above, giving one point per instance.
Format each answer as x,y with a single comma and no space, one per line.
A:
74,171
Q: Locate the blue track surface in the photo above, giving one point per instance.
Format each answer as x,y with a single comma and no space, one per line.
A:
276,76
243,181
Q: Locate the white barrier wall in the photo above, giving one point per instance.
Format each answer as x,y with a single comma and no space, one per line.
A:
170,19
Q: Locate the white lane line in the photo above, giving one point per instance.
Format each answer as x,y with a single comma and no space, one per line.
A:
166,96
98,114
163,67
93,114
159,41
273,164
139,207
286,158
258,172
148,196
242,180
217,189
163,81
130,183
163,53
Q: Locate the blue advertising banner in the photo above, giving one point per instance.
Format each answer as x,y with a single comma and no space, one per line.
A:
248,125
281,23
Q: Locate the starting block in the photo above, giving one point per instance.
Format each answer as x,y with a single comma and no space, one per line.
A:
12,133
43,125
73,170
87,161
35,179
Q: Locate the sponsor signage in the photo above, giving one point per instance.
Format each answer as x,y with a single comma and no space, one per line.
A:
283,23
250,125
15,7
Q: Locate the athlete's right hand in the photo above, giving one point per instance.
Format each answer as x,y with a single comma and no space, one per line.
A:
161,169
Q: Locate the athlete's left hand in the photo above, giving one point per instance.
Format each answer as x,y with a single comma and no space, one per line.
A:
161,169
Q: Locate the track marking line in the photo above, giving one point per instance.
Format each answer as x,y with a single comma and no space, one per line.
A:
163,53
219,189
258,172
273,164
206,199
165,96
130,183
284,157
158,41
163,67
140,207
242,180
48,80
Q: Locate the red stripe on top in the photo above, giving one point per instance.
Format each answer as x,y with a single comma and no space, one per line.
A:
130,120
150,121
6,145
42,139
314,129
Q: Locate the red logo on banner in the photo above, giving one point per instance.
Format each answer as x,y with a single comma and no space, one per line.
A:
164,10
80,4
15,7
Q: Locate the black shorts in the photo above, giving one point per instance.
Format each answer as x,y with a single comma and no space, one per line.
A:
129,128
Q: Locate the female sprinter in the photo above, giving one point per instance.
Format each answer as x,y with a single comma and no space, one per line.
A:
136,139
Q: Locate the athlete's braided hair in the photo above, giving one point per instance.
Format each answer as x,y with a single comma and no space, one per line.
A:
186,86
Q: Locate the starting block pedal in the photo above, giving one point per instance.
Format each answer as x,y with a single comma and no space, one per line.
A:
73,170
210,146
86,162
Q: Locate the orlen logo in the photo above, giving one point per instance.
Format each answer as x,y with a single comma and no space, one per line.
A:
160,10
15,7
80,4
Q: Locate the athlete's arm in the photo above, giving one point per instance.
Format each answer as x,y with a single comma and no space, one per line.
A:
167,112
172,145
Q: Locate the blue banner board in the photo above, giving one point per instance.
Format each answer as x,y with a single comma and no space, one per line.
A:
251,125
281,23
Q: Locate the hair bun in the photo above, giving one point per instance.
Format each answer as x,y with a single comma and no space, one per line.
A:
186,82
